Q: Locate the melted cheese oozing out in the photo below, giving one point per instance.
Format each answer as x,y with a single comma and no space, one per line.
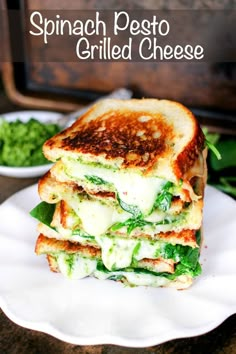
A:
81,267
135,279
98,218
118,253
132,188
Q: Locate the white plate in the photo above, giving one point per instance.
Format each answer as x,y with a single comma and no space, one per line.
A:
24,116
91,311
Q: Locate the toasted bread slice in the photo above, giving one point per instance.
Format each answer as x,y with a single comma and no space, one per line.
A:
157,265
155,137
50,247
46,245
52,190
97,215
184,237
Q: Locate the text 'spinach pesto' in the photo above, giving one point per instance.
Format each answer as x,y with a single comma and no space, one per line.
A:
124,198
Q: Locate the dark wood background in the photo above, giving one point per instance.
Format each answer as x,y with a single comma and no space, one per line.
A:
211,86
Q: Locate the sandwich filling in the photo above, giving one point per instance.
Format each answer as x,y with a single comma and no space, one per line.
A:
124,198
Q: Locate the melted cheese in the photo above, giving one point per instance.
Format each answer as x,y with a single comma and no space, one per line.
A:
135,278
80,268
97,218
118,253
133,189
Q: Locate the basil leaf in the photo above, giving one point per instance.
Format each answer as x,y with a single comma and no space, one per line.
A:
95,180
43,212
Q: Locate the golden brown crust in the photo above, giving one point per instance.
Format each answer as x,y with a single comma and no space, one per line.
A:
184,237
48,186
119,137
188,156
159,265
50,245
131,134
52,262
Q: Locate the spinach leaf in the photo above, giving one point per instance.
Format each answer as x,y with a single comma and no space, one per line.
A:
101,267
213,138
198,237
70,259
43,212
213,149
182,269
136,250
132,209
186,255
116,277
80,233
220,172
132,223
95,180
227,149
164,198
179,270
190,258
225,186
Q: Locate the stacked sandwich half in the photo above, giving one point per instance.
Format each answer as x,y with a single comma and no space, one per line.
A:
124,198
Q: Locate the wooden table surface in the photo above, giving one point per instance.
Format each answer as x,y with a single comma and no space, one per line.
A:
18,340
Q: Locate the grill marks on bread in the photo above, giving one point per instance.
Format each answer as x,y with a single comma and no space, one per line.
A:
156,137
138,138
50,246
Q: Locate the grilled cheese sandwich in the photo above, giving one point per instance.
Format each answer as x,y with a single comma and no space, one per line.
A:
127,184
